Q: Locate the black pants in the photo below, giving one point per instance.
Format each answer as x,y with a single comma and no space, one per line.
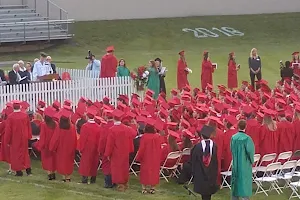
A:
252,77
206,197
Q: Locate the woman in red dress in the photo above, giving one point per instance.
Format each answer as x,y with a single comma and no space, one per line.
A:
232,81
206,72
148,156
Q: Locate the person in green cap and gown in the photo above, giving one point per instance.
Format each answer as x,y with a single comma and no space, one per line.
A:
153,79
122,70
242,149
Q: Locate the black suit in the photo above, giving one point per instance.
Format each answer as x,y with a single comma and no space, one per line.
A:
53,68
12,75
25,74
2,75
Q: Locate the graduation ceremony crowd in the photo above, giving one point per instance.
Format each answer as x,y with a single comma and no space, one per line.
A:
147,130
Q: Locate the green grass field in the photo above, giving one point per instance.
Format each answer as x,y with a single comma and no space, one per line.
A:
275,36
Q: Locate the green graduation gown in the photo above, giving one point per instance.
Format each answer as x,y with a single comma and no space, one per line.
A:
153,81
122,71
242,149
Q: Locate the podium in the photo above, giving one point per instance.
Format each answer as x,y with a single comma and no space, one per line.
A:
49,77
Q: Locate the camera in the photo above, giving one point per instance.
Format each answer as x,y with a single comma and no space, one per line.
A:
90,55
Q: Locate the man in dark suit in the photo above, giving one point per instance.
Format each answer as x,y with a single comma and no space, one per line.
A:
25,75
14,76
49,60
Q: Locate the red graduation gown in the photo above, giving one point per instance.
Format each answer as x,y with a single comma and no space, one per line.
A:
88,147
148,156
48,157
118,147
64,143
268,140
286,136
232,80
182,74
105,166
296,145
252,129
219,141
109,65
17,134
206,74
227,157
4,151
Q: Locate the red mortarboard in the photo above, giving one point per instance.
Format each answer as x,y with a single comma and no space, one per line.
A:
135,102
241,94
186,88
91,112
188,133
209,87
117,113
205,53
56,104
219,107
181,52
186,98
49,111
259,114
294,97
165,105
233,111
159,125
281,102
163,113
106,100
124,98
149,93
150,121
172,124
141,119
67,102
231,119
262,81
221,87
84,99
65,113
98,104
196,90
245,83
267,96
110,48
185,124
248,109
67,107
145,113
269,112
278,95
174,92
215,120
42,104
75,117
174,134
25,105
215,101
16,102
295,53
134,95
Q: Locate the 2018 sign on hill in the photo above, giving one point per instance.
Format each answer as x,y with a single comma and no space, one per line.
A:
214,32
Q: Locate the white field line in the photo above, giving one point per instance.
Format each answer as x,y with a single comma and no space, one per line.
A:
70,191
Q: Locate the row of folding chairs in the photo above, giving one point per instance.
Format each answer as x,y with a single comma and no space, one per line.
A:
166,170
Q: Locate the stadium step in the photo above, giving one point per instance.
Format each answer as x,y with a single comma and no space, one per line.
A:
16,11
25,19
40,38
12,6
28,27
31,34
19,15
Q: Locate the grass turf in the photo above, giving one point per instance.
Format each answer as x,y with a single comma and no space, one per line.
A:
138,41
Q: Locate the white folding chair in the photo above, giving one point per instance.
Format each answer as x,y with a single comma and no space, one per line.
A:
78,156
269,178
31,152
225,175
266,158
296,154
286,172
184,155
134,162
174,157
294,187
191,180
256,159
284,156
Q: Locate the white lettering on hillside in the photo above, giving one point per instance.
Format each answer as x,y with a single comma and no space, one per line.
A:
214,32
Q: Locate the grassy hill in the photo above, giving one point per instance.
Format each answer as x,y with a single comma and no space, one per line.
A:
275,36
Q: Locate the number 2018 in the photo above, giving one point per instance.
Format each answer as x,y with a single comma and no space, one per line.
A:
204,33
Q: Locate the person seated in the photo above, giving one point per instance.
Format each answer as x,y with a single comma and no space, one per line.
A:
286,72
172,146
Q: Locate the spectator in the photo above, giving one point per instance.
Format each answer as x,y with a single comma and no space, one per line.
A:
2,78
122,70
29,70
254,66
14,76
286,72
162,74
41,68
94,65
49,60
34,61
25,76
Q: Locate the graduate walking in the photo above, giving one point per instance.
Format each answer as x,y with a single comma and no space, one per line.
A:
205,165
242,148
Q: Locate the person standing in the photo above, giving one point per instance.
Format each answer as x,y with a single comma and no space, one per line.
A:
94,65
122,70
295,64
153,79
17,134
182,71
162,74
14,76
53,66
254,62
109,63
118,147
150,147
41,68
206,72
205,165
242,149
232,79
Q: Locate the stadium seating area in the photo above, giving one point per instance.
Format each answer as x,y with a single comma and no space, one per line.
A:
19,23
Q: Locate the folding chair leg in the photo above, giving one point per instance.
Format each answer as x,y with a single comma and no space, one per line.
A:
191,179
162,173
260,187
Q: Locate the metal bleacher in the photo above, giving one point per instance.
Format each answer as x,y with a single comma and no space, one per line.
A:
33,20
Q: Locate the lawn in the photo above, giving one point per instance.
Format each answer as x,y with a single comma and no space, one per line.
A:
275,36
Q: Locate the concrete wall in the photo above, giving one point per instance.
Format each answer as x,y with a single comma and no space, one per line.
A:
132,9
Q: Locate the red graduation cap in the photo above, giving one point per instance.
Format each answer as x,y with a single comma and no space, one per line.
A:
172,124
248,109
91,112
259,114
159,125
245,83
185,124
98,104
181,52
56,105
174,92
219,107
141,119
281,102
83,99
186,88
205,53
163,113
216,120
196,90
165,105
75,117
41,103
294,97
269,112
135,102
110,49
68,102
134,95
233,111
145,113
188,133
221,87
295,53
25,105
16,103
67,107
174,134
149,93
209,86
65,113
185,98
297,108
50,111
106,100
118,114
231,119
262,81
150,121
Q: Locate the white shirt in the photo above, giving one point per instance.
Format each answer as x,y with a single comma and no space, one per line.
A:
41,69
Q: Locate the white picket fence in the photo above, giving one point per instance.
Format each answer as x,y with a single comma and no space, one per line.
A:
78,73
80,85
